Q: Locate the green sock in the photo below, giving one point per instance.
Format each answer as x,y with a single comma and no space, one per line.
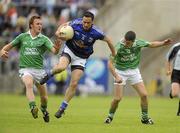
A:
144,114
111,112
111,115
43,107
32,104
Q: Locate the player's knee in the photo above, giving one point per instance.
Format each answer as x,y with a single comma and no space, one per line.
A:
117,99
44,98
60,69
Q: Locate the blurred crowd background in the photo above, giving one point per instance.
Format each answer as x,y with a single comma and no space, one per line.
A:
152,20
14,17
14,14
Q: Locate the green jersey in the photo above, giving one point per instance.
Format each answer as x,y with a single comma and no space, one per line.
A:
32,49
129,57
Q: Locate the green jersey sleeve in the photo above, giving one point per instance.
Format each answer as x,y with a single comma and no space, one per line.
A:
17,40
142,43
48,43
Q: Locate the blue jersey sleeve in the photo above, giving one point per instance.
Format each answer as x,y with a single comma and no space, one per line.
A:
99,33
75,22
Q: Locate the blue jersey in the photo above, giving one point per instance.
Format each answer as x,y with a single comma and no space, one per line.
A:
82,42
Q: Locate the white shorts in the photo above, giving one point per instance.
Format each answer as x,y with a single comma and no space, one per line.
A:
131,75
75,60
37,74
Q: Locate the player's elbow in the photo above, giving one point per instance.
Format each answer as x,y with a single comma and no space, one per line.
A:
54,51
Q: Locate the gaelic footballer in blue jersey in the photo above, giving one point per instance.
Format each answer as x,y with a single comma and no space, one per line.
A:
85,35
76,52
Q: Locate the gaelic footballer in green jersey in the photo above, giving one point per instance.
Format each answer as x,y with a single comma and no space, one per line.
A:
128,57
124,67
32,49
32,46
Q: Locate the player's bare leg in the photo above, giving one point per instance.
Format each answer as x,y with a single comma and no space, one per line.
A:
28,81
140,88
70,92
118,92
175,92
61,66
44,100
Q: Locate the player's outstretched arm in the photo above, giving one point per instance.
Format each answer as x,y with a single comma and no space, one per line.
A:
4,51
160,43
110,45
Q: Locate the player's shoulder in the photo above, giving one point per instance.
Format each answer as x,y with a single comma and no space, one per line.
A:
44,37
176,44
76,21
22,35
97,29
141,42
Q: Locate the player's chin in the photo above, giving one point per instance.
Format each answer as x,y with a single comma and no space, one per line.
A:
39,30
63,38
86,28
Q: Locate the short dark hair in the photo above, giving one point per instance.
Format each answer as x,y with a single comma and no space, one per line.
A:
89,14
31,20
130,36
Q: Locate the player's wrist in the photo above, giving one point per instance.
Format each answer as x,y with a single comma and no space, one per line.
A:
115,75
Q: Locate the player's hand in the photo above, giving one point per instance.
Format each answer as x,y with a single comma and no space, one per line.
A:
62,36
168,72
58,43
4,54
118,79
167,41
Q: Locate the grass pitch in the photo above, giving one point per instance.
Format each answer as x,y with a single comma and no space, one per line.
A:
87,115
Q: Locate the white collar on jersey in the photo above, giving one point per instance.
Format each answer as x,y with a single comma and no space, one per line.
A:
122,40
39,35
